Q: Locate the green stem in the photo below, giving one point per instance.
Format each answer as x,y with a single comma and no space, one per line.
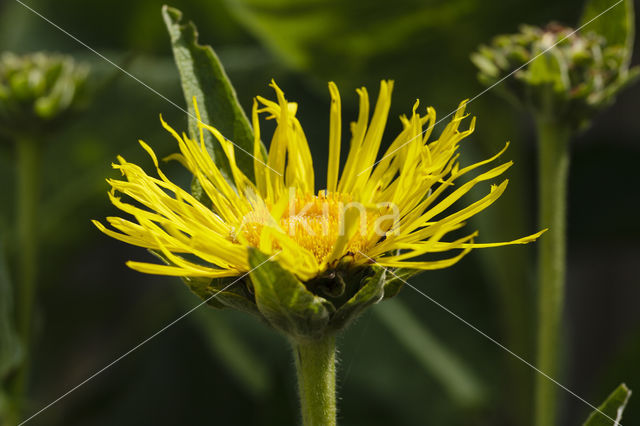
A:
316,367
553,165
28,185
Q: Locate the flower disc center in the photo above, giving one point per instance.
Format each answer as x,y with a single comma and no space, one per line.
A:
314,222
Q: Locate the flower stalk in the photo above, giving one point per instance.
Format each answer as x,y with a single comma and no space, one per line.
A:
316,368
553,164
28,189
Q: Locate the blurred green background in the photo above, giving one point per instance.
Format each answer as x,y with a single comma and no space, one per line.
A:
405,361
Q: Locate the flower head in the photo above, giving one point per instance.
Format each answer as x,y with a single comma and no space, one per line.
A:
390,210
38,90
574,73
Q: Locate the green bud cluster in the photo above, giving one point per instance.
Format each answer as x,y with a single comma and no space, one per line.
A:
571,75
38,90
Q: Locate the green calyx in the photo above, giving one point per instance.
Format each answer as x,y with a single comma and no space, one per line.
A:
38,90
301,310
569,74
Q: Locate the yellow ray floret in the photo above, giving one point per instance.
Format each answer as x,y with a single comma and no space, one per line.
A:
392,207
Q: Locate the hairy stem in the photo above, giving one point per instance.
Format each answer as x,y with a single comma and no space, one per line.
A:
316,367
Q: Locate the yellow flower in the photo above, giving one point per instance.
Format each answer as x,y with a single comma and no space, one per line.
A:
393,208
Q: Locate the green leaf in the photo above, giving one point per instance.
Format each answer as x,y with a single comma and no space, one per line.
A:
440,362
371,292
10,347
204,78
285,302
616,25
612,408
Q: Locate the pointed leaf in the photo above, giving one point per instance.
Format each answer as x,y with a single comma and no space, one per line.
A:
203,76
616,25
612,408
284,301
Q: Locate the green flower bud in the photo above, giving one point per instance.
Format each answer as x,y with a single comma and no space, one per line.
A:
37,91
578,74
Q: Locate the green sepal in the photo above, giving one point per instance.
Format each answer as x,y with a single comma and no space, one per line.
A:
219,293
285,302
616,25
609,94
225,293
486,66
550,68
613,407
396,280
201,286
371,292
203,77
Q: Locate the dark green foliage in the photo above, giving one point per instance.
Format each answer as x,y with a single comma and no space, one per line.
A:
203,78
